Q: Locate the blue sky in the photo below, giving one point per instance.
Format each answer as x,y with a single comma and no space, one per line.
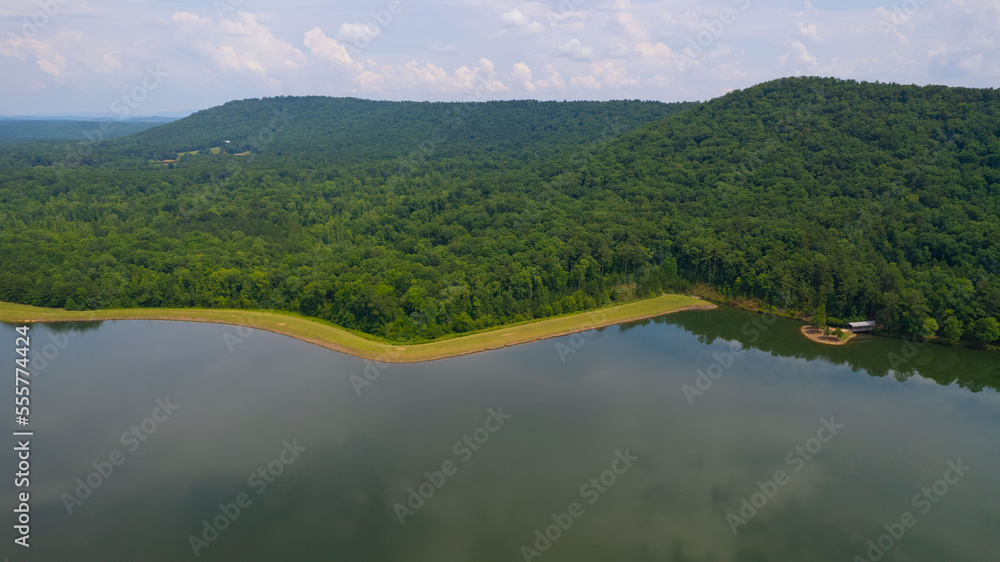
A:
155,56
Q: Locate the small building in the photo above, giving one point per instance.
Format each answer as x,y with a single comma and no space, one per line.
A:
866,326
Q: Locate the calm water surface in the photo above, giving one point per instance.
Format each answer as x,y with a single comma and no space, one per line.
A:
620,435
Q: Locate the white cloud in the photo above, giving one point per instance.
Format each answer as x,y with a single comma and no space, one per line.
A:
586,82
371,81
624,47
533,28
358,33
522,74
515,18
12,47
108,64
553,82
575,50
327,48
520,22
568,16
627,21
428,74
796,58
809,31
53,65
488,81
478,79
609,74
408,78
65,57
613,73
659,50
242,45
189,20
45,54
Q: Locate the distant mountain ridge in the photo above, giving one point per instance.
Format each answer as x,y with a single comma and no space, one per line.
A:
29,129
351,129
164,117
96,117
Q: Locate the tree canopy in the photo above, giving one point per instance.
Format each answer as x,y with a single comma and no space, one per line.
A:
413,220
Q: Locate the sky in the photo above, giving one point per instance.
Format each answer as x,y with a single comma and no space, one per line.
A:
127,58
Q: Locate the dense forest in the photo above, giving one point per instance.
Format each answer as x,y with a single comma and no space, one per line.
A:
413,220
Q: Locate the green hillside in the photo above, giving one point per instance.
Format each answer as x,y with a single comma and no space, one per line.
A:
349,129
402,220
873,200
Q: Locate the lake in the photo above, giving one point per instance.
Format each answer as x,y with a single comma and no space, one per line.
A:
699,436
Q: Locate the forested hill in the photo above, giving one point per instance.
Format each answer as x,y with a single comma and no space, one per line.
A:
352,130
863,200
873,200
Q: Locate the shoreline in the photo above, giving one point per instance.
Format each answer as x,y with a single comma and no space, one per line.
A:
818,337
339,339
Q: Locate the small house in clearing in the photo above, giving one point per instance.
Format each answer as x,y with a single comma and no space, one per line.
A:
866,326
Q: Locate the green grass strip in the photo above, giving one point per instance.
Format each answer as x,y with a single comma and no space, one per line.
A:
364,345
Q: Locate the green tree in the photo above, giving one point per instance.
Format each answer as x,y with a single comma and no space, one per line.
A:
951,330
986,330
930,327
819,318
464,323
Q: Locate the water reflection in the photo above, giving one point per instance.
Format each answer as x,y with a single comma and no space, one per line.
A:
77,327
878,356
621,390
